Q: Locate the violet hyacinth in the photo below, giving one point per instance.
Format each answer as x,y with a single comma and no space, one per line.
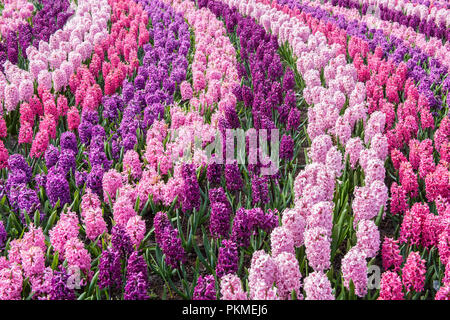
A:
121,241
233,177
242,228
167,239
260,190
214,171
3,235
109,269
227,261
57,187
205,288
137,278
191,195
59,289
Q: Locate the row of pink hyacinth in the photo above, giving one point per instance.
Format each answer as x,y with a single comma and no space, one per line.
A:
214,66
432,46
428,13
53,63
14,13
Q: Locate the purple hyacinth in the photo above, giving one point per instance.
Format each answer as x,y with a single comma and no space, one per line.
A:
227,261
94,179
3,235
57,187
219,224
242,228
205,288
286,147
260,190
136,287
233,177
109,268
288,80
191,196
167,239
293,119
121,241
68,140
214,171
51,156
59,289
67,161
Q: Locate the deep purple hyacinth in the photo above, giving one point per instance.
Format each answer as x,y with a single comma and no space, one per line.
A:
288,80
51,156
205,288
109,268
3,235
57,187
191,196
167,239
136,263
94,179
68,140
219,224
214,171
242,228
233,177
260,190
121,241
286,147
18,162
227,261
67,161
59,289
136,287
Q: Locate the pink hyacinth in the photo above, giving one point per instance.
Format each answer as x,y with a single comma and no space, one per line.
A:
123,210
76,255
281,241
111,182
399,202
132,164
443,293
390,253
95,225
288,276
321,215
262,272
368,238
353,149
319,148
231,288
318,287
413,272
136,229
73,118
390,286
33,261
408,179
317,245
66,228
186,90
11,281
295,223
354,267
